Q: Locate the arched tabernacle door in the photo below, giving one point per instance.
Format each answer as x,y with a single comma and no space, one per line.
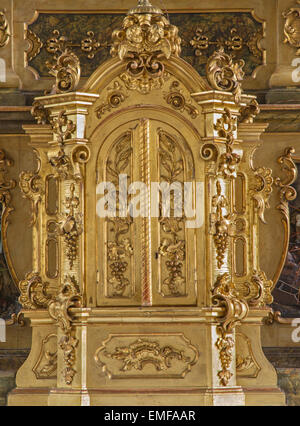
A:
144,260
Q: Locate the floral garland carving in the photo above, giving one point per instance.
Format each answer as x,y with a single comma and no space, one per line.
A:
172,246
224,74
226,126
119,243
223,224
225,295
63,127
143,42
70,226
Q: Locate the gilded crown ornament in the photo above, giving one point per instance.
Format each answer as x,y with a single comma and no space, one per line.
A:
145,40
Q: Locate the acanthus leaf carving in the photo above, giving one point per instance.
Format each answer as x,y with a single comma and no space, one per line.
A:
63,127
146,356
34,292
263,190
68,297
249,112
40,113
66,71
144,41
224,295
262,295
224,74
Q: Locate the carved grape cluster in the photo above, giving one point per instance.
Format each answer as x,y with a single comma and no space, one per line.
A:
221,242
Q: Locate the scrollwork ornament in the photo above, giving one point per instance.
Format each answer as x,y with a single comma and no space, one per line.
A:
66,72
263,190
224,295
224,74
249,112
144,41
32,187
40,113
177,100
5,185
262,290
34,292
59,309
4,30
287,192
116,95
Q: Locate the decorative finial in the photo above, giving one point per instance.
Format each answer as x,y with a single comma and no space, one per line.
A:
145,41
144,6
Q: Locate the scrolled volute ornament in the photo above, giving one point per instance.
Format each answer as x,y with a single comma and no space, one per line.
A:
262,290
34,292
66,72
261,193
40,113
224,74
287,192
68,297
225,295
59,309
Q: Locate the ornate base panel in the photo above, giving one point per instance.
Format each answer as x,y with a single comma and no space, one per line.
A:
129,360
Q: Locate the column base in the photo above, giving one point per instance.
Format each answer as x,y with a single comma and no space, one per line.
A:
233,396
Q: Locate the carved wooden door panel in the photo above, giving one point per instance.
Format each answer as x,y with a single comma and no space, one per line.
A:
146,256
